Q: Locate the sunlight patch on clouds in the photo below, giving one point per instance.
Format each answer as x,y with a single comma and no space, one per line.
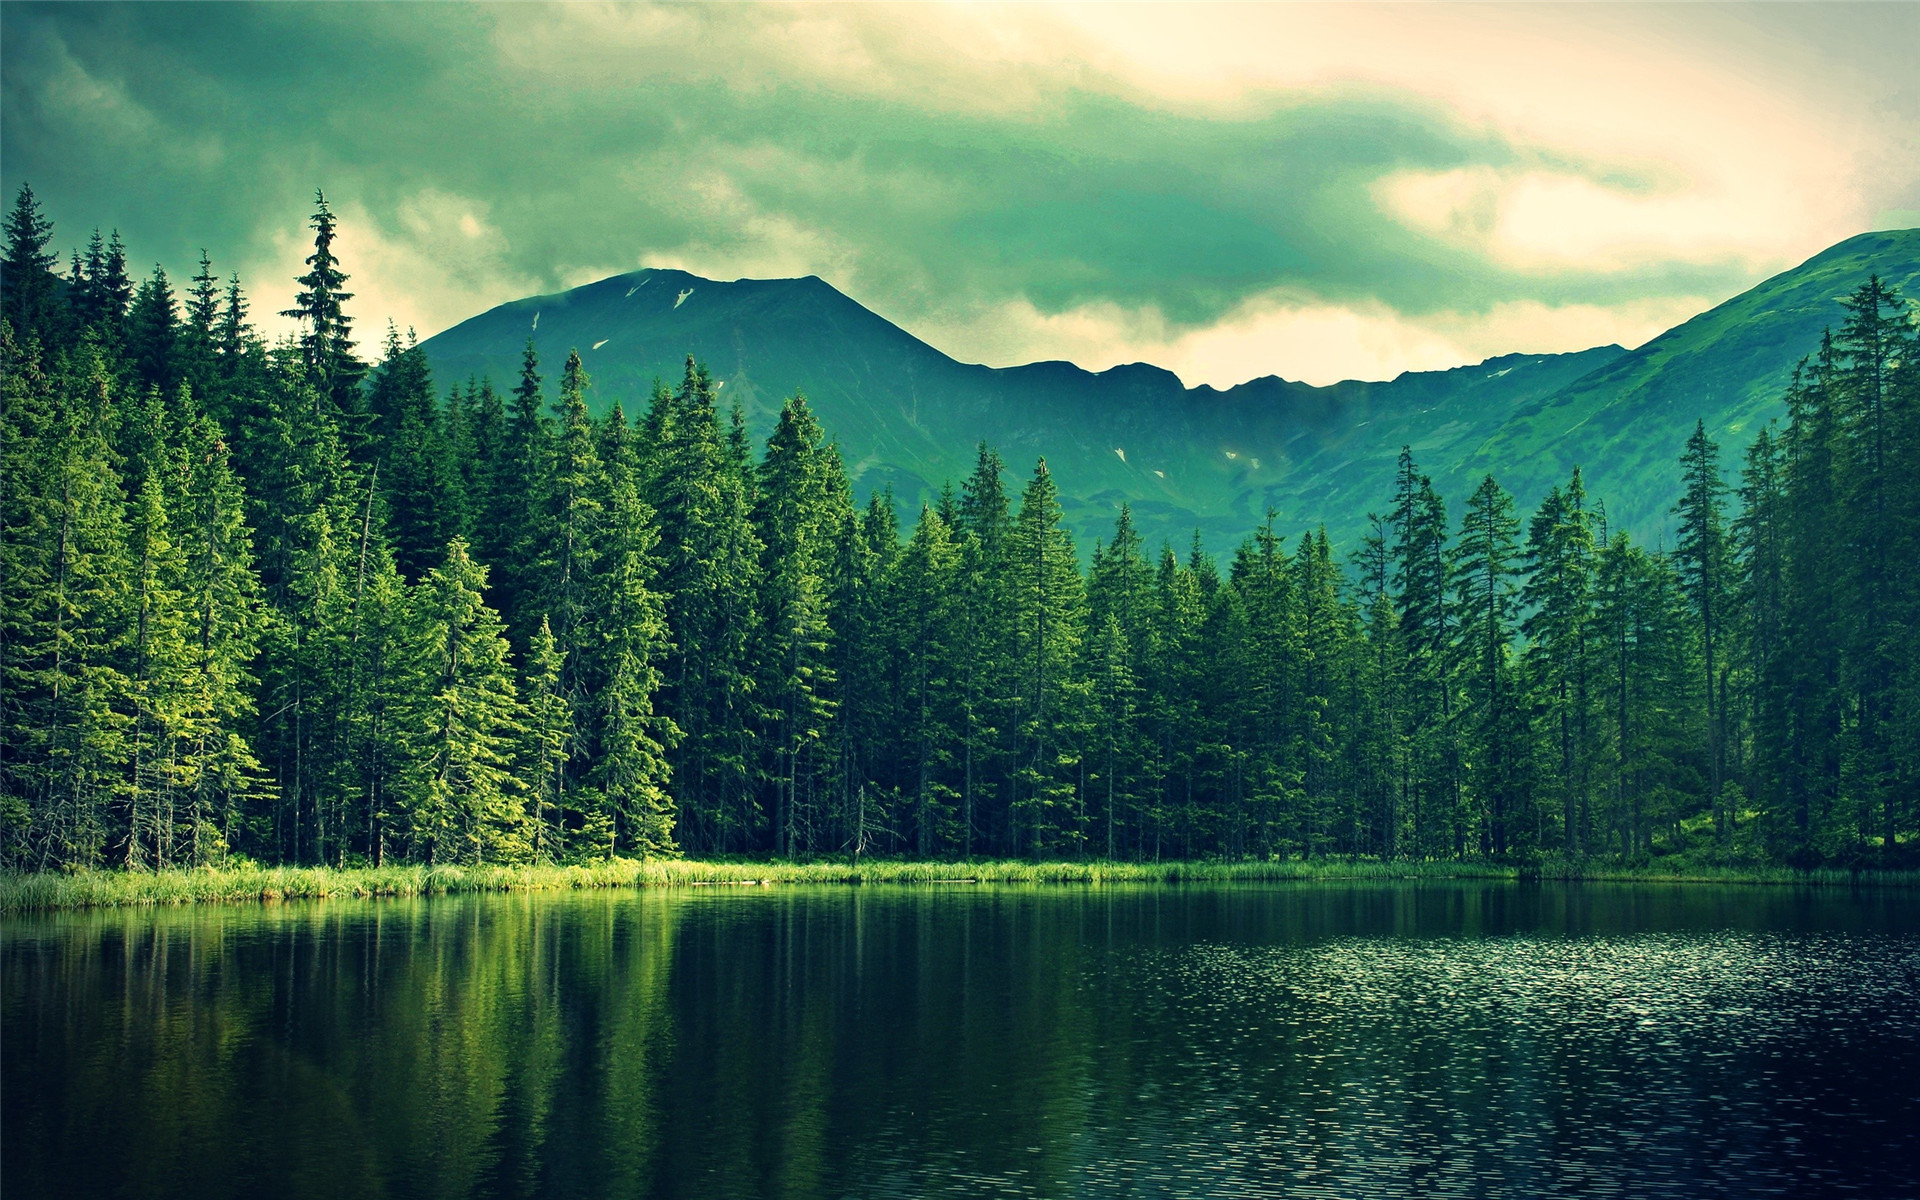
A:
432,262
1299,338
753,241
1751,171
1543,221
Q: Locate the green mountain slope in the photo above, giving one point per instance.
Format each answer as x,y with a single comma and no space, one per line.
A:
1625,422
908,416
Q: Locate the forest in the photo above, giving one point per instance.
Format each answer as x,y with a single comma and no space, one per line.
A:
280,603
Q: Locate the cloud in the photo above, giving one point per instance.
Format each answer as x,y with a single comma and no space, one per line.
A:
1230,190
419,266
1539,221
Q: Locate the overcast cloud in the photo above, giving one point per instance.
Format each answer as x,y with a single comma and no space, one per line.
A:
1318,192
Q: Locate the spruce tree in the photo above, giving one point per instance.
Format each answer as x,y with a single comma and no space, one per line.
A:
418,474
627,642
1558,598
30,290
153,333
562,530
463,721
70,627
1486,597
220,773
1049,605
1703,557
547,746
326,334
710,562
988,668
927,620
801,504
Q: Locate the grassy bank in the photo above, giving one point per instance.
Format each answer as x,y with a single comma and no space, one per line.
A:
92,889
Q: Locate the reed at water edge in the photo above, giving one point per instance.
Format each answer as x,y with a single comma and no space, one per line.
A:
246,882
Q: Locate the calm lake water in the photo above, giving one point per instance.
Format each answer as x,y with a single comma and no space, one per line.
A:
1309,1040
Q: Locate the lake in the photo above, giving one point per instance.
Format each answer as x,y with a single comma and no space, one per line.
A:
1286,1040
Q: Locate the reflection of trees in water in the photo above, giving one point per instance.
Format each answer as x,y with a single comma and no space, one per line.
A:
419,1048
852,1041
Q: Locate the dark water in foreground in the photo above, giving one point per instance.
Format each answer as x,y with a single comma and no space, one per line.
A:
1308,1040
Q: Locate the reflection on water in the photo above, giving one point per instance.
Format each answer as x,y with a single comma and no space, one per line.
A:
1391,1040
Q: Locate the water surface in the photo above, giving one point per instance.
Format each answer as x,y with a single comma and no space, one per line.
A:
1285,1040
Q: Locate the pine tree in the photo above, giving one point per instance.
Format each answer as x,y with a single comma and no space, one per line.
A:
233,334
219,771
513,508
417,472
862,615
546,748
988,669
30,290
195,346
1815,734
710,573
1264,578
628,640
1116,748
153,333
486,472
927,629
1876,338
562,531
1420,579
1558,598
69,615
157,653
1486,596
1323,638
463,720
1120,595
114,290
801,505
1703,558
1050,617
86,303
326,337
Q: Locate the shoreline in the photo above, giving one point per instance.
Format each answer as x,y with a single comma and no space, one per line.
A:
244,884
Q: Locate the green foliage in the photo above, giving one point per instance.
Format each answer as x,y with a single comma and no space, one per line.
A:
241,616
462,719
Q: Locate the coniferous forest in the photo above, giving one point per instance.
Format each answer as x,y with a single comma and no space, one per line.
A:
282,602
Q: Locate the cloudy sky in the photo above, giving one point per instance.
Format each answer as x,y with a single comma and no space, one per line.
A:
1228,191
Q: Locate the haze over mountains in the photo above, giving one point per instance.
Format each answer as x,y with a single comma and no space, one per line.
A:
908,416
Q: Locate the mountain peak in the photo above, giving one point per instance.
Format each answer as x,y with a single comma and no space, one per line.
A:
908,416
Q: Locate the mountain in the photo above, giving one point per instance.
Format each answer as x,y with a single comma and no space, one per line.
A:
1728,366
909,416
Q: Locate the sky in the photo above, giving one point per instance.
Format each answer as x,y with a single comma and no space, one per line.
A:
1318,192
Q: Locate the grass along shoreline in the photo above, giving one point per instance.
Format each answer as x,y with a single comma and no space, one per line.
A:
250,883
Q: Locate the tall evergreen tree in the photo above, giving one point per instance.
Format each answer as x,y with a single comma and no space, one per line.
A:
1558,599
1703,557
627,645
153,331
710,573
1486,596
326,334
1049,625
30,290
460,796
802,504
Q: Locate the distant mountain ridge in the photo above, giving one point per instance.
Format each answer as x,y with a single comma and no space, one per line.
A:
1215,460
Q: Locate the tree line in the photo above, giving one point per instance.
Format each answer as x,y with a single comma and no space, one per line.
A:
273,600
